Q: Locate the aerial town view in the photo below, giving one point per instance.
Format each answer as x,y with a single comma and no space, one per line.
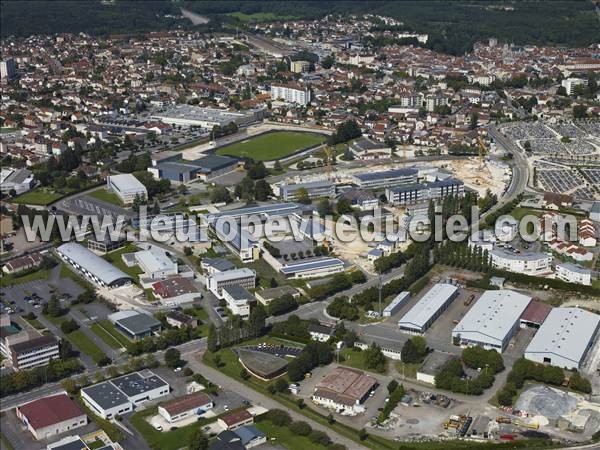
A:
301,225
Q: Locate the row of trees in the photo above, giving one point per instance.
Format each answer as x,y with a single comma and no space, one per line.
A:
387,263
338,283
524,370
414,350
344,132
23,380
236,330
341,308
396,393
282,305
459,254
168,338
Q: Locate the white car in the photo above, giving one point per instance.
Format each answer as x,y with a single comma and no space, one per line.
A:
177,369
158,427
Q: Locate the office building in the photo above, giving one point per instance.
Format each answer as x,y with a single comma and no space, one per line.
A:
32,351
493,320
126,187
238,300
105,245
7,69
299,66
364,148
385,178
266,296
565,338
424,192
123,394
435,301
314,189
243,277
344,389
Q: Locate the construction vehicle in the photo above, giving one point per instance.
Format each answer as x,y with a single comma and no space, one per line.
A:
501,419
469,300
520,423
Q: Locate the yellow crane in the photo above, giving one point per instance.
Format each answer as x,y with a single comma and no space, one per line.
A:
329,155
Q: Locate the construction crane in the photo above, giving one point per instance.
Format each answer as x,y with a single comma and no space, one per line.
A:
405,152
482,150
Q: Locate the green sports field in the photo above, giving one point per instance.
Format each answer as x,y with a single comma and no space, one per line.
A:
270,146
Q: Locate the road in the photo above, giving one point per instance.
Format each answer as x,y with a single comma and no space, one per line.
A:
196,364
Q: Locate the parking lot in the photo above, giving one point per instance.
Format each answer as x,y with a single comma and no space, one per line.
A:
277,350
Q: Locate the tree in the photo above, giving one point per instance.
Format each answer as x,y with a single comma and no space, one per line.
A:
277,166
578,383
220,194
343,206
212,342
324,208
362,434
172,357
68,326
244,375
198,440
392,385
300,428
65,349
302,196
282,305
281,385
262,190
54,308
579,111
187,251
374,358
414,350
69,385
473,118
278,417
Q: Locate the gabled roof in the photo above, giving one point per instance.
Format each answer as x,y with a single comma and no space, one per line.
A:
51,410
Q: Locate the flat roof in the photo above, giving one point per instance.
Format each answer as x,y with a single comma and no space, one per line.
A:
127,182
154,259
493,315
428,306
34,344
308,185
238,292
139,323
105,394
272,208
566,332
91,262
350,383
312,264
531,256
382,175
243,272
574,268
401,297
435,361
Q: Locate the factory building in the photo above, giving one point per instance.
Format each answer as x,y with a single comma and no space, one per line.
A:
90,265
493,320
126,187
435,301
565,338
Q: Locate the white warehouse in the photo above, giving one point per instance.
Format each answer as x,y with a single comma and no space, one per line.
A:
435,301
493,320
564,338
126,187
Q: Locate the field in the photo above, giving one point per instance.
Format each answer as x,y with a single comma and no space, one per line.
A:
37,197
356,359
258,17
271,146
9,280
106,196
110,329
108,338
86,345
283,436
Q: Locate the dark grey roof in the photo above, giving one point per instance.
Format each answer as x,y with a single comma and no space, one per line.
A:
221,264
33,344
367,144
74,445
395,173
214,162
434,362
134,384
106,395
318,328
138,324
238,292
310,264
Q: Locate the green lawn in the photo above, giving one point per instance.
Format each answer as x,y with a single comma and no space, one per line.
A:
519,213
35,323
5,130
258,17
10,280
408,369
115,259
37,197
66,272
283,436
110,329
86,345
270,146
108,338
356,359
106,196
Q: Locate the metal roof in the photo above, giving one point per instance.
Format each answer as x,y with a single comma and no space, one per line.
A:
272,208
91,262
311,264
566,332
533,256
126,182
235,274
493,316
394,173
428,306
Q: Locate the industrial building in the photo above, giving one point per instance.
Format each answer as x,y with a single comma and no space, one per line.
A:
365,148
189,115
423,192
21,180
134,324
314,189
49,416
121,395
313,267
156,263
385,178
266,296
526,263
176,291
174,168
92,267
535,314
435,301
345,389
564,338
126,187
191,405
493,320
433,364
396,304
242,277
